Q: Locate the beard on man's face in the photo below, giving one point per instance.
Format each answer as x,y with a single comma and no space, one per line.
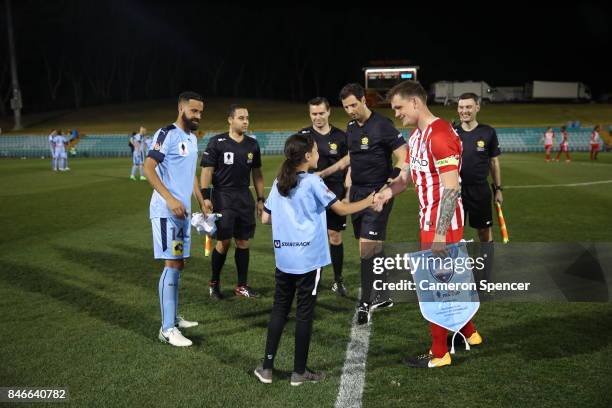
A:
192,123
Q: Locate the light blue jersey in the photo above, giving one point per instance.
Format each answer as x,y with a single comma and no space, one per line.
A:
299,225
147,143
176,153
137,156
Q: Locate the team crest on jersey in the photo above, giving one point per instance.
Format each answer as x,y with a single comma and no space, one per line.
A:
333,148
480,145
183,151
250,158
422,147
364,143
228,158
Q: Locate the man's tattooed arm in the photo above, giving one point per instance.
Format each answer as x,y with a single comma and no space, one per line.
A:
448,203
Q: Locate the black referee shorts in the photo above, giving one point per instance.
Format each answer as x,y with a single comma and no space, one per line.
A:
477,202
237,209
306,287
369,224
336,222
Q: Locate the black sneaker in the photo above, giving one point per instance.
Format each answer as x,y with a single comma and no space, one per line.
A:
363,313
214,290
339,288
381,302
245,291
308,376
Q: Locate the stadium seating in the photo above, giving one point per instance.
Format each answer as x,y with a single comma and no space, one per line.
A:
116,145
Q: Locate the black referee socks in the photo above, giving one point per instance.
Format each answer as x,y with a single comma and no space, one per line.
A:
217,262
367,279
241,256
337,258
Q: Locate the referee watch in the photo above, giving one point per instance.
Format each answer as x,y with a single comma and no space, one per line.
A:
496,188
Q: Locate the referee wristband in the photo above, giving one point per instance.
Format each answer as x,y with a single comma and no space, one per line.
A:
395,172
261,199
206,193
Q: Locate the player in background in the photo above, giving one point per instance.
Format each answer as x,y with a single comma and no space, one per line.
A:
147,143
595,142
548,139
296,209
332,147
564,146
171,170
59,152
52,147
480,157
138,154
228,163
433,164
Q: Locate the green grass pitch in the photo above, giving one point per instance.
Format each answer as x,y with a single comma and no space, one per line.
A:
79,305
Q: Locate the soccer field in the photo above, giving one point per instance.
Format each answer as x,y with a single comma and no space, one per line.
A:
79,304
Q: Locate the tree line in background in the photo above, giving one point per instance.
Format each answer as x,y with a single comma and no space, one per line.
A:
73,54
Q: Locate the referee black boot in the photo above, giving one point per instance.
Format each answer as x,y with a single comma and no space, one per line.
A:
214,290
363,313
339,288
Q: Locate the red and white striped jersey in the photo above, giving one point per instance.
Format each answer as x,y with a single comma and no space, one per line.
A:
595,139
432,152
549,137
564,139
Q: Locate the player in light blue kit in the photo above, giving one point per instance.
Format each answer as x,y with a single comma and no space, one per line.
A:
148,144
296,209
170,167
52,147
139,153
59,152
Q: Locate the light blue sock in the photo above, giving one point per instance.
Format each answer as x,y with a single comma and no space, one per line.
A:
133,171
176,293
168,296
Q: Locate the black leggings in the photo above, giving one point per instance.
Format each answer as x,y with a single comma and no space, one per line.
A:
287,285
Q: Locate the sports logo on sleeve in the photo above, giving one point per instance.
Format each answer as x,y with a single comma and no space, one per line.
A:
228,158
250,158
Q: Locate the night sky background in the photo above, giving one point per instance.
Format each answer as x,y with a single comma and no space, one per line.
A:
82,53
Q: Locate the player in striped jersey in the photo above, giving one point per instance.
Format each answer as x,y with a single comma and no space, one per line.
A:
548,139
563,147
595,142
433,162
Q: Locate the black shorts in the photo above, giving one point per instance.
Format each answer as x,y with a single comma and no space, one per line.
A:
477,201
336,222
369,224
237,209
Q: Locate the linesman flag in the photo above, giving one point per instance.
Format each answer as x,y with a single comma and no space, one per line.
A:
502,223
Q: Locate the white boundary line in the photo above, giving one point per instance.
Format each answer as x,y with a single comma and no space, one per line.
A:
352,381
589,183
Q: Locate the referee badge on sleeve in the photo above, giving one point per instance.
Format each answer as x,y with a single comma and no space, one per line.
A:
480,146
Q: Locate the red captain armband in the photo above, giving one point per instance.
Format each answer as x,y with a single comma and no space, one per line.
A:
447,164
